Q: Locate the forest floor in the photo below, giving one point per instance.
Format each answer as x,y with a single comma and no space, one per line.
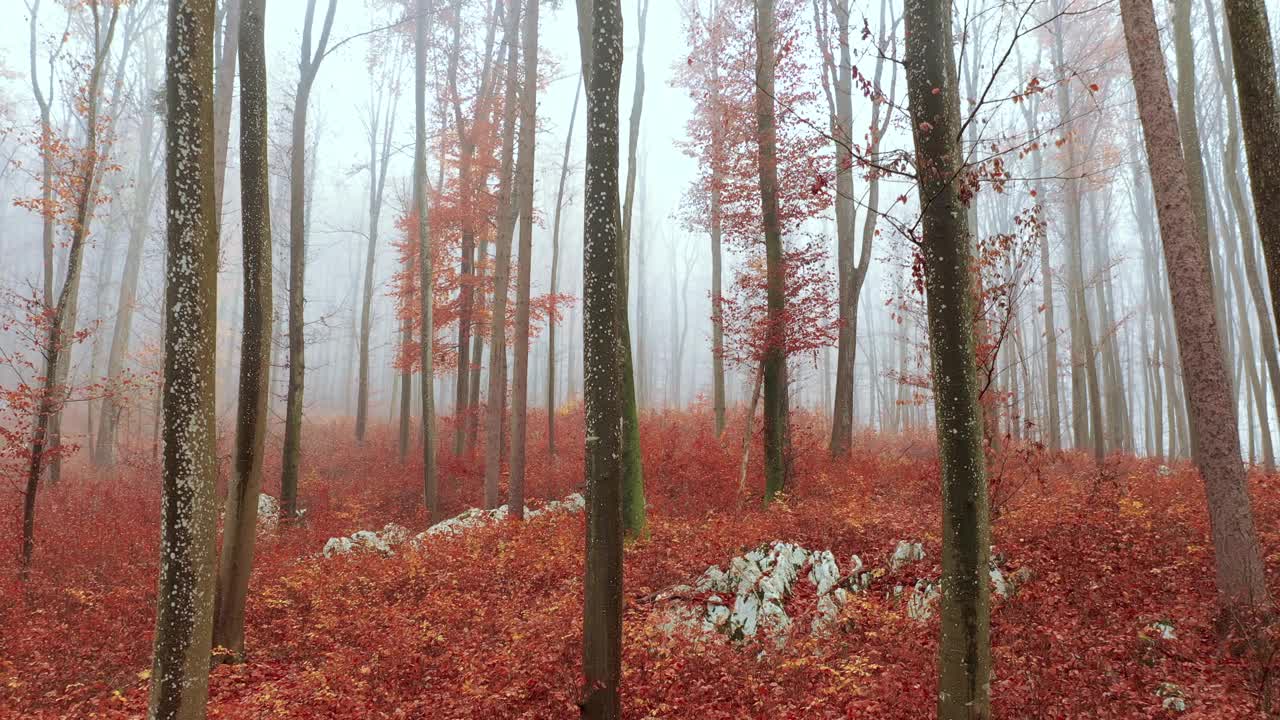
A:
487,624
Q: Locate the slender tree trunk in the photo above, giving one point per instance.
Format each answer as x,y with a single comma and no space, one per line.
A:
1238,562
520,369
426,336
308,65
555,270
777,449
497,395
241,520
383,124
964,660
634,513
184,613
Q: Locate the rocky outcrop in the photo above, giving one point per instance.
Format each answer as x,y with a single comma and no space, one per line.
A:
384,541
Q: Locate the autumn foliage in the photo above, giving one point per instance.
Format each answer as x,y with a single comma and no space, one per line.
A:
487,625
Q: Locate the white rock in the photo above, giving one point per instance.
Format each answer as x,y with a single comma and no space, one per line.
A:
997,579
1163,630
904,554
268,512
920,603
758,585
1174,704
337,546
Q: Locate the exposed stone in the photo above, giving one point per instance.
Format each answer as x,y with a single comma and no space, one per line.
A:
904,554
750,597
268,513
391,535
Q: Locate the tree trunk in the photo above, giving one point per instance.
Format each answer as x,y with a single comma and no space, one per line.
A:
520,369
634,514
379,158
555,269
600,35
964,660
241,521
1255,73
184,614
502,268
309,65
1238,563
777,439
426,336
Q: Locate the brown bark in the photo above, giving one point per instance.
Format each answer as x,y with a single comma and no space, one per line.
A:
964,659
507,209
183,635
241,521
1238,563
776,414
520,349
600,35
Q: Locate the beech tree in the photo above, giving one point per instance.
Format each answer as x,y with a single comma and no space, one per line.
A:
184,613
964,649
1237,559
507,208
600,37
777,416
524,180
241,521
308,67
423,10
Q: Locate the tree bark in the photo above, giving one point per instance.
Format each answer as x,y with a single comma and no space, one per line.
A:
183,635
600,35
1238,562
777,439
241,521
1255,73
634,513
520,369
426,336
964,652
507,209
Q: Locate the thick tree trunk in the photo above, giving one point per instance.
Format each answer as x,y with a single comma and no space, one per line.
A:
1238,562
520,369
1255,73
184,614
964,660
600,34
241,521
776,415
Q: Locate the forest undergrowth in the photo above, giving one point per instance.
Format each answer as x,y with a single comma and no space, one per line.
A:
488,624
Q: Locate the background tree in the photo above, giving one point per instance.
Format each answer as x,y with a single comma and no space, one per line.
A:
524,180
308,67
